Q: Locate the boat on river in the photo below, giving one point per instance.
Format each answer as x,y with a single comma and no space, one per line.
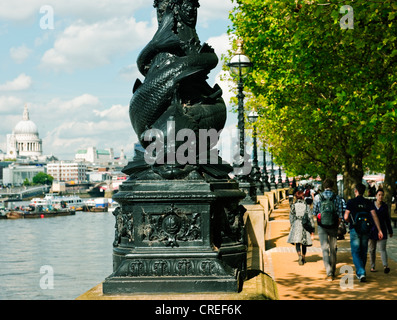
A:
31,212
59,202
49,214
3,211
97,205
37,214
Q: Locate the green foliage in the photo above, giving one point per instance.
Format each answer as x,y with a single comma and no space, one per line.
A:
326,96
42,178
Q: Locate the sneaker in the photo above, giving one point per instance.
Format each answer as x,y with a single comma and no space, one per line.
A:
300,261
329,278
362,278
386,270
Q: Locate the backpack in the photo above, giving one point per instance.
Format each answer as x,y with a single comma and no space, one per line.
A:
362,221
307,193
307,224
329,217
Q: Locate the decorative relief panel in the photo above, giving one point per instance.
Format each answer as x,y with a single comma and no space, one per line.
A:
177,267
124,226
171,227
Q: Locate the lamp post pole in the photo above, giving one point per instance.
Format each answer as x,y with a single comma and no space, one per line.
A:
272,177
286,183
280,179
265,177
240,66
241,125
256,171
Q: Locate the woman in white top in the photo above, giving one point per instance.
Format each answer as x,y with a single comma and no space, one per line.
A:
298,235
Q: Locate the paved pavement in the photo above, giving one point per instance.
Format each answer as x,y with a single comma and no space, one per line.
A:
307,282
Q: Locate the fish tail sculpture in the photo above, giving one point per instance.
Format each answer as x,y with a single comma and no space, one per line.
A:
175,66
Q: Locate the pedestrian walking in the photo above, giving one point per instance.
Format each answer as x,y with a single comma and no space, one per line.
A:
300,237
328,210
361,215
382,211
372,190
291,192
308,195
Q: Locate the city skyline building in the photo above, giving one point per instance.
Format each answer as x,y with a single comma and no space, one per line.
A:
24,141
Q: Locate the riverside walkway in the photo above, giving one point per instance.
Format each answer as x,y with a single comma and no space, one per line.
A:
307,282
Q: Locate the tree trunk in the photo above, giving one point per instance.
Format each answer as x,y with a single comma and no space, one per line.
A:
390,175
352,174
333,175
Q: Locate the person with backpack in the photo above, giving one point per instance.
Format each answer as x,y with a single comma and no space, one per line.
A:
361,215
302,227
328,210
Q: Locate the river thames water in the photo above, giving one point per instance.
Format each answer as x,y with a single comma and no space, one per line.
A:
55,258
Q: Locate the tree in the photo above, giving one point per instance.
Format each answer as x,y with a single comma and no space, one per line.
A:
42,178
323,93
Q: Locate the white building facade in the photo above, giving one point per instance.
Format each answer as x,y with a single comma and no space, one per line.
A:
24,141
67,171
15,175
93,155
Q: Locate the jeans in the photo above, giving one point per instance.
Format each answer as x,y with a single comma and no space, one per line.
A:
381,244
328,239
359,249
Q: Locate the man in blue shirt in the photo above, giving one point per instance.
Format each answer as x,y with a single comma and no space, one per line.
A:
328,236
358,240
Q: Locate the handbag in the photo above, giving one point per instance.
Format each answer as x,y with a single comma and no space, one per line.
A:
341,230
307,224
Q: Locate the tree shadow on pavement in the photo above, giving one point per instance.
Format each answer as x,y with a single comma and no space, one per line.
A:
299,284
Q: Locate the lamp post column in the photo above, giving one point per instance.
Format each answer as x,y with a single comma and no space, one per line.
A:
272,177
241,124
256,171
239,66
280,180
265,177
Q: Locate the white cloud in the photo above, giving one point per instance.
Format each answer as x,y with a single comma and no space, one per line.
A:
19,10
22,10
8,104
221,44
115,112
79,103
88,10
22,82
213,10
83,45
20,54
65,139
68,125
130,73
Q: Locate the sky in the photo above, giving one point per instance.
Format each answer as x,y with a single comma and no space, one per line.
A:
73,62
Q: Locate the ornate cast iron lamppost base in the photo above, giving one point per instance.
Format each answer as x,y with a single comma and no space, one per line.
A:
179,227
176,236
